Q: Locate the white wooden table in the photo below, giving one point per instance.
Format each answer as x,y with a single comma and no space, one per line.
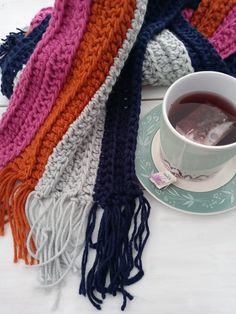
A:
190,261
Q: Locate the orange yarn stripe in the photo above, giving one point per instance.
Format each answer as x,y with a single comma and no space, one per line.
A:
210,14
106,31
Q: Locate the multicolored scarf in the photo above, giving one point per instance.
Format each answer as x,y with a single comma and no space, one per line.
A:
99,46
67,198
68,184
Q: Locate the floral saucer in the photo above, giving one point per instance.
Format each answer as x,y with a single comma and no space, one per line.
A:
216,195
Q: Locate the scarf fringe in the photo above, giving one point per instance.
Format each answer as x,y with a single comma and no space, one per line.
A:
9,42
57,229
7,184
121,238
13,195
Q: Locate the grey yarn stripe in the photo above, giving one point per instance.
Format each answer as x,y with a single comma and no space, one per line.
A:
58,208
62,220
166,60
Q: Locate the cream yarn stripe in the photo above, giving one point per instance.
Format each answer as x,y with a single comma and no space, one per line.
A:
58,208
166,60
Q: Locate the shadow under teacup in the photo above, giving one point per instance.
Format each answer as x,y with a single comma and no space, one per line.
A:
183,157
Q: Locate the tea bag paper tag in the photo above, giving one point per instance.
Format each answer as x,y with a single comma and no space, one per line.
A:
162,179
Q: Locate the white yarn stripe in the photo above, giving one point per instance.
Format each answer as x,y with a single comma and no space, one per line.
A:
58,208
166,60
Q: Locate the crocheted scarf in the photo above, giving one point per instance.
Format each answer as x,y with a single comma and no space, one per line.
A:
70,187
99,46
65,188
68,197
164,53
123,228
43,77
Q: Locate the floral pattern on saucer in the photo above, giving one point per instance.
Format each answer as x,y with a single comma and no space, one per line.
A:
216,201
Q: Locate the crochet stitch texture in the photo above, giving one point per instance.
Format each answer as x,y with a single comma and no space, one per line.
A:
123,229
69,187
155,72
39,17
43,77
91,65
70,174
153,66
166,60
13,59
224,38
210,14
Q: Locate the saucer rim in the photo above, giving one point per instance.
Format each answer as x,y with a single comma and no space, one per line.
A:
184,210
193,212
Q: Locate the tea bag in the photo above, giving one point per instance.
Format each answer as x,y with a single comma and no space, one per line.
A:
206,125
162,179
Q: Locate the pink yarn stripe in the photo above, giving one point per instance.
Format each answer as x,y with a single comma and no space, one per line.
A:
224,38
187,14
39,17
43,77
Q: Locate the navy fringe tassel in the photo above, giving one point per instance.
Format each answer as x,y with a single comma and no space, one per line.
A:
123,230
15,52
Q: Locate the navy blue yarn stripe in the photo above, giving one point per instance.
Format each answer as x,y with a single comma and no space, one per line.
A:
203,55
117,189
12,62
194,4
231,63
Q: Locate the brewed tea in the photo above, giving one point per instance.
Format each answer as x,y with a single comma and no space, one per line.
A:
205,118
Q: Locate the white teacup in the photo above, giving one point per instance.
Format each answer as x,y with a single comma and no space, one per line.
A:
187,159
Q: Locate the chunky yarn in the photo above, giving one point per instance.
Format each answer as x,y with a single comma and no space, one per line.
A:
172,50
166,60
67,142
203,55
13,60
39,17
65,190
96,54
163,63
9,43
224,38
210,14
188,13
123,226
231,63
43,77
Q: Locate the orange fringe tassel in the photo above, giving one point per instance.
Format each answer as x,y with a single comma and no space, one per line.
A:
13,196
